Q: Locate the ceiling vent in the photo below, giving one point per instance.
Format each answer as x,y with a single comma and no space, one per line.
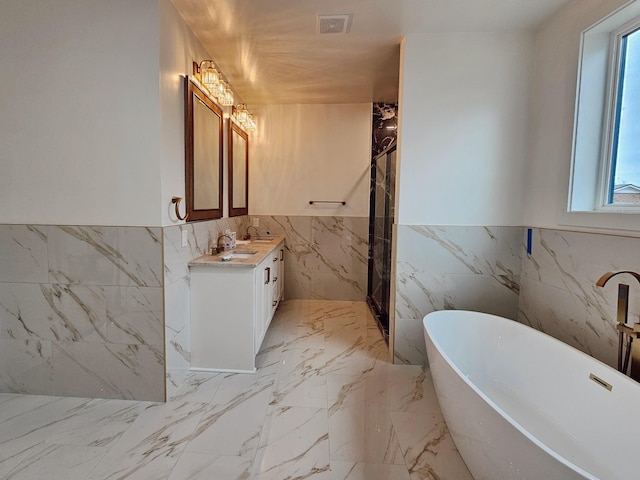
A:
333,24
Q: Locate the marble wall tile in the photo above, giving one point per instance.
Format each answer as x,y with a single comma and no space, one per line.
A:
410,348
126,315
23,254
105,255
560,315
326,257
177,331
300,252
341,244
95,320
484,293
129,315
102,289
25,312
108,370
452,267
418,293
26,366
201,237
176,257
460,249
297,285
332,286
559,293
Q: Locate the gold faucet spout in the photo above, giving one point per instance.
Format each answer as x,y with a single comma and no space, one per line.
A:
602,281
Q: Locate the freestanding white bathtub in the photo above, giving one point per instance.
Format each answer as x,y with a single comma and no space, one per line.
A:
522,405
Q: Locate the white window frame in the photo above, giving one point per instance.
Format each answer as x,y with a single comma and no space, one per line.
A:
596,104
611,115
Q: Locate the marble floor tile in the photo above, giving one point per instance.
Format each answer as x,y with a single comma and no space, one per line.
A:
295,444
360,426
301,381
428,450
198,466
233,421
367,471
150,448
198,387
324,404
54,462
411,390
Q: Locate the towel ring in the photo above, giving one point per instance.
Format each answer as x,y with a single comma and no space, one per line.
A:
176,201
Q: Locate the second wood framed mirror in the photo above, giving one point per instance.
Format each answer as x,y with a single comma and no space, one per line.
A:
238,170
203,154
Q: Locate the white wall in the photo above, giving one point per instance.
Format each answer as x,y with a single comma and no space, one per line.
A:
179,48
310,152
555,80
79,129
465,124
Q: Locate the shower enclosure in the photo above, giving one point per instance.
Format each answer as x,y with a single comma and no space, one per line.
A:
381,215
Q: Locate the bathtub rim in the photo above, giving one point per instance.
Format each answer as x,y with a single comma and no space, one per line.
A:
429,318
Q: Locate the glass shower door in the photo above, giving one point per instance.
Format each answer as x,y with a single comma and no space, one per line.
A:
381,215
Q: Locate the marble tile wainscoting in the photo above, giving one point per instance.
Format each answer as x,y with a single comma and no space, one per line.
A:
201,237
452,267
81,311
558,288
326,257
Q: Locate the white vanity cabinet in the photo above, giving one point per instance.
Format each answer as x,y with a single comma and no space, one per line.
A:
232,305
277,272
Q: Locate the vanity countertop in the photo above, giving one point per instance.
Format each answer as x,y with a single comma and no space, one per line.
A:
261,246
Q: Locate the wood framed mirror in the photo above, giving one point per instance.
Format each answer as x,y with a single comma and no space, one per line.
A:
238,170
203,154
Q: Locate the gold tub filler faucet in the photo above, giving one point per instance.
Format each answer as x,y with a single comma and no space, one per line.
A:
632,352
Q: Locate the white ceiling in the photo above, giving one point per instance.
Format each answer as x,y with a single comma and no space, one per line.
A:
270,52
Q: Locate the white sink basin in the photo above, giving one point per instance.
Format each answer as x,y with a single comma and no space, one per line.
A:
237,254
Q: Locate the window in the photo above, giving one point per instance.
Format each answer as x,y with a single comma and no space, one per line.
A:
622,177
606,153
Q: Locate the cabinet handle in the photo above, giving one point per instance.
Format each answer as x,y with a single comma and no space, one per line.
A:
282,254
275,259
275,279
268,270
274,303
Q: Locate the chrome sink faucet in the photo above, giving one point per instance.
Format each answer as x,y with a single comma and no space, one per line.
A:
633,332
223,247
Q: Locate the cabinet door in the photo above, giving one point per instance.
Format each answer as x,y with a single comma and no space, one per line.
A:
263,281
281,274
275,287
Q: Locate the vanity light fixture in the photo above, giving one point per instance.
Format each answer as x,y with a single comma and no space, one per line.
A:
226,98
209,76
212,80
243,117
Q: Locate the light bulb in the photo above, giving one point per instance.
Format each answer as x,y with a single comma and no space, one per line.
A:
227,98
209,76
